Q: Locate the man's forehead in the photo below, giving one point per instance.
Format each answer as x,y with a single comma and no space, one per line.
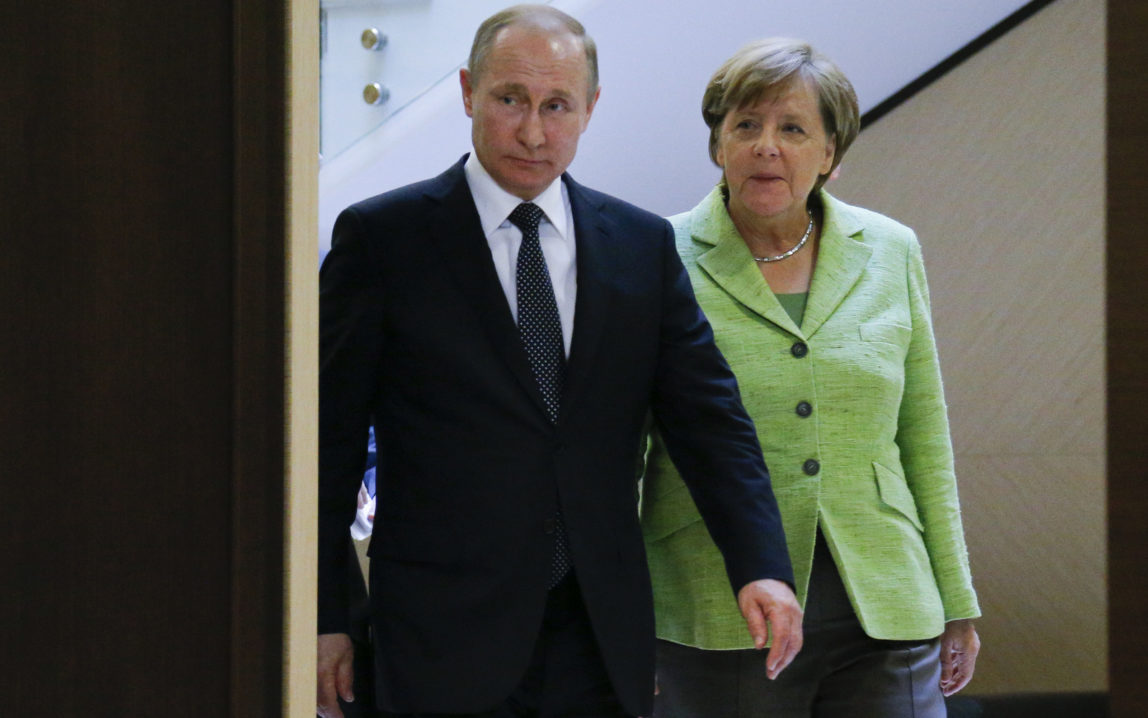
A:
518,88
537,65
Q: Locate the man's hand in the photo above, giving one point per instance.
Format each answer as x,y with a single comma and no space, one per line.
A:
772,601
960,645
334,661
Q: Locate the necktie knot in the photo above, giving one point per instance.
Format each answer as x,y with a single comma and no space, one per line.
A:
526,216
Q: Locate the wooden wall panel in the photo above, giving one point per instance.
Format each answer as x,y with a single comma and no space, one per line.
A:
1127,352
142,421
999,166
259,96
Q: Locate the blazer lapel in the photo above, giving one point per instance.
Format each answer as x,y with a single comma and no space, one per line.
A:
841,261
456,233
730,265
593,256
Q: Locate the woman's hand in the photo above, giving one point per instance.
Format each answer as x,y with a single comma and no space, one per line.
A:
960,645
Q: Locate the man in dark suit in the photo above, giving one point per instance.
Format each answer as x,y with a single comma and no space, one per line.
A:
508,332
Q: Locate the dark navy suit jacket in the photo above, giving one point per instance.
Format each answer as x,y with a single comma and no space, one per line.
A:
417,336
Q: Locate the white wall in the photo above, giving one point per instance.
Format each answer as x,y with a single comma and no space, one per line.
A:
646,141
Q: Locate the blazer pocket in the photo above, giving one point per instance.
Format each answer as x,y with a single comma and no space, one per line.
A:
414,542
895,494
885,332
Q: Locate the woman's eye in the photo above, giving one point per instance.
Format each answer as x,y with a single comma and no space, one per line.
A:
793,128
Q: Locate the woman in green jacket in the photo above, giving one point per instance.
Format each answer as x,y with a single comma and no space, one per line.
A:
823,312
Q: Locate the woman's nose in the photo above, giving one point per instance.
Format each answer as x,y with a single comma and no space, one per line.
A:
765,145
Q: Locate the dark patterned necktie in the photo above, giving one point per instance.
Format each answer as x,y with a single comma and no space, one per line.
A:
541,332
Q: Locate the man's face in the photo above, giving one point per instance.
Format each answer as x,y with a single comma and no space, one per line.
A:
528,105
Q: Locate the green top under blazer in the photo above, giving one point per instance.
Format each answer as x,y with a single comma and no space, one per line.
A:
872,462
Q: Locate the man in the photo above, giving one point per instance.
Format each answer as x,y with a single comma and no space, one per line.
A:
508,331
359,606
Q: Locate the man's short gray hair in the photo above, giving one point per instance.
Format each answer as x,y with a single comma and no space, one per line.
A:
543,17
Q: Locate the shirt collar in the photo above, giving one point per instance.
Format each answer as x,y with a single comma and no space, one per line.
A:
495,204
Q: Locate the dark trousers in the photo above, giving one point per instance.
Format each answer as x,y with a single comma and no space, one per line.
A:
566,677
840,673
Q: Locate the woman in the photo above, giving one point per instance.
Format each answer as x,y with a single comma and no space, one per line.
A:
823,312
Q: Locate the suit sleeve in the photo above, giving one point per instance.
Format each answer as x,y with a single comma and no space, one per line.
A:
927,453
710,437
350,347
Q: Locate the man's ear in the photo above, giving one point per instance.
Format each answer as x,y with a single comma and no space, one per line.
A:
467,90
590,107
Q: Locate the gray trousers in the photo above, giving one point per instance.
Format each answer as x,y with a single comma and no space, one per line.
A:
840,672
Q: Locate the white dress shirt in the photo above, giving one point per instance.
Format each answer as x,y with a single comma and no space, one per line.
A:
555,233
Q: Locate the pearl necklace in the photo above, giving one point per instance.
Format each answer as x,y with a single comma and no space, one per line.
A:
794,249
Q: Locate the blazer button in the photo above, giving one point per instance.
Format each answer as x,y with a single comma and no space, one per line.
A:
548,525
804,409
811,467
799,349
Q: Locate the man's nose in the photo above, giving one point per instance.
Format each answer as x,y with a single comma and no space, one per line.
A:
530,130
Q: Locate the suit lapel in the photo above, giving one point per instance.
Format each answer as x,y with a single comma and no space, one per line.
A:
841,261
593,242
455,232
730,265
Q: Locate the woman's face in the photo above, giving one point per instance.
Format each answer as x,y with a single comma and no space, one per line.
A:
773,152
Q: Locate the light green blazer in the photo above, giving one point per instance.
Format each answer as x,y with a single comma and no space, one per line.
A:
883,490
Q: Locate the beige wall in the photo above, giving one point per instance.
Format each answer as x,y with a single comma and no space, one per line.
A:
999,166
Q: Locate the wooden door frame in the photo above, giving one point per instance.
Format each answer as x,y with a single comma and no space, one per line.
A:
276,101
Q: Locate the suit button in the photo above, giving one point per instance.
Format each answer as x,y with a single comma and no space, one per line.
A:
811,467
548,525
804,409
799,349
